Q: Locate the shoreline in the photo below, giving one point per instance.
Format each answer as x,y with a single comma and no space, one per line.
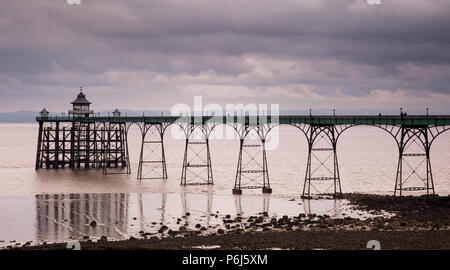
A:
420,222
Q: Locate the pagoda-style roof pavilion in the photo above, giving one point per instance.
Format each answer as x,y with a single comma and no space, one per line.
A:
81,99
81,106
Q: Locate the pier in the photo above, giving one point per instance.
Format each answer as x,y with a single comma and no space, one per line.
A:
82,140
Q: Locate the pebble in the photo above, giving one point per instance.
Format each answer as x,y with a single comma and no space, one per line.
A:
162,229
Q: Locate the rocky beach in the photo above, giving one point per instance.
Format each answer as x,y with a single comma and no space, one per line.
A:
419,222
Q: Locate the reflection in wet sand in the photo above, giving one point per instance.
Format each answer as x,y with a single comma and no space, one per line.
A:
264,209
206,212
334,212
61,217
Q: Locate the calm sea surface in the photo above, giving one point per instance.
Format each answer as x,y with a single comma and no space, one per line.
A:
56,205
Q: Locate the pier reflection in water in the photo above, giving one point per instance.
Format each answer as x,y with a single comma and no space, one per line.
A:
61,217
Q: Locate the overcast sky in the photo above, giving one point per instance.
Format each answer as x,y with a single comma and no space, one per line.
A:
153,54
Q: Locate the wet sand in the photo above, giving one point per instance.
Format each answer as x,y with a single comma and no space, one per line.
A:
419,223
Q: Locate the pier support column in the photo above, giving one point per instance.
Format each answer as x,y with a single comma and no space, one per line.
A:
414,165
322,164
64,145
39,162
97,145
152,159
72,146
87,145
115,148
252,170
80,145
197,167
53,145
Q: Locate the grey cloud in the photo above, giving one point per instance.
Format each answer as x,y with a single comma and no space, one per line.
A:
162,46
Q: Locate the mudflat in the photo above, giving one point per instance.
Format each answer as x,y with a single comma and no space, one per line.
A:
412,223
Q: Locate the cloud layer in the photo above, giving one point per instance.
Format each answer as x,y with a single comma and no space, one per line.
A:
141,54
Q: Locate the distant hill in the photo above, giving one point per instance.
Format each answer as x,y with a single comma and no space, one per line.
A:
20,116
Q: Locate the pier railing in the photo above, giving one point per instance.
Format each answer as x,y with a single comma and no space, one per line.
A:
419,120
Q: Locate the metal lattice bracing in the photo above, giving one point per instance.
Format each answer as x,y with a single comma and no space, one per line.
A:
414,173
54,145
96,142
152,159
322,165
322,168
197,167
252,170
115,149
87,145
81,148
414,166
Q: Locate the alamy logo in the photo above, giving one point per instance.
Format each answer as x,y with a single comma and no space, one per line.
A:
238,119
374,2
73,2
374,245
73,245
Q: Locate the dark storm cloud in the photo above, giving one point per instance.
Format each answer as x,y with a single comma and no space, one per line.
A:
303,51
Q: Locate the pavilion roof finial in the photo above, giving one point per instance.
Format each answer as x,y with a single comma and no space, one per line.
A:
81,98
